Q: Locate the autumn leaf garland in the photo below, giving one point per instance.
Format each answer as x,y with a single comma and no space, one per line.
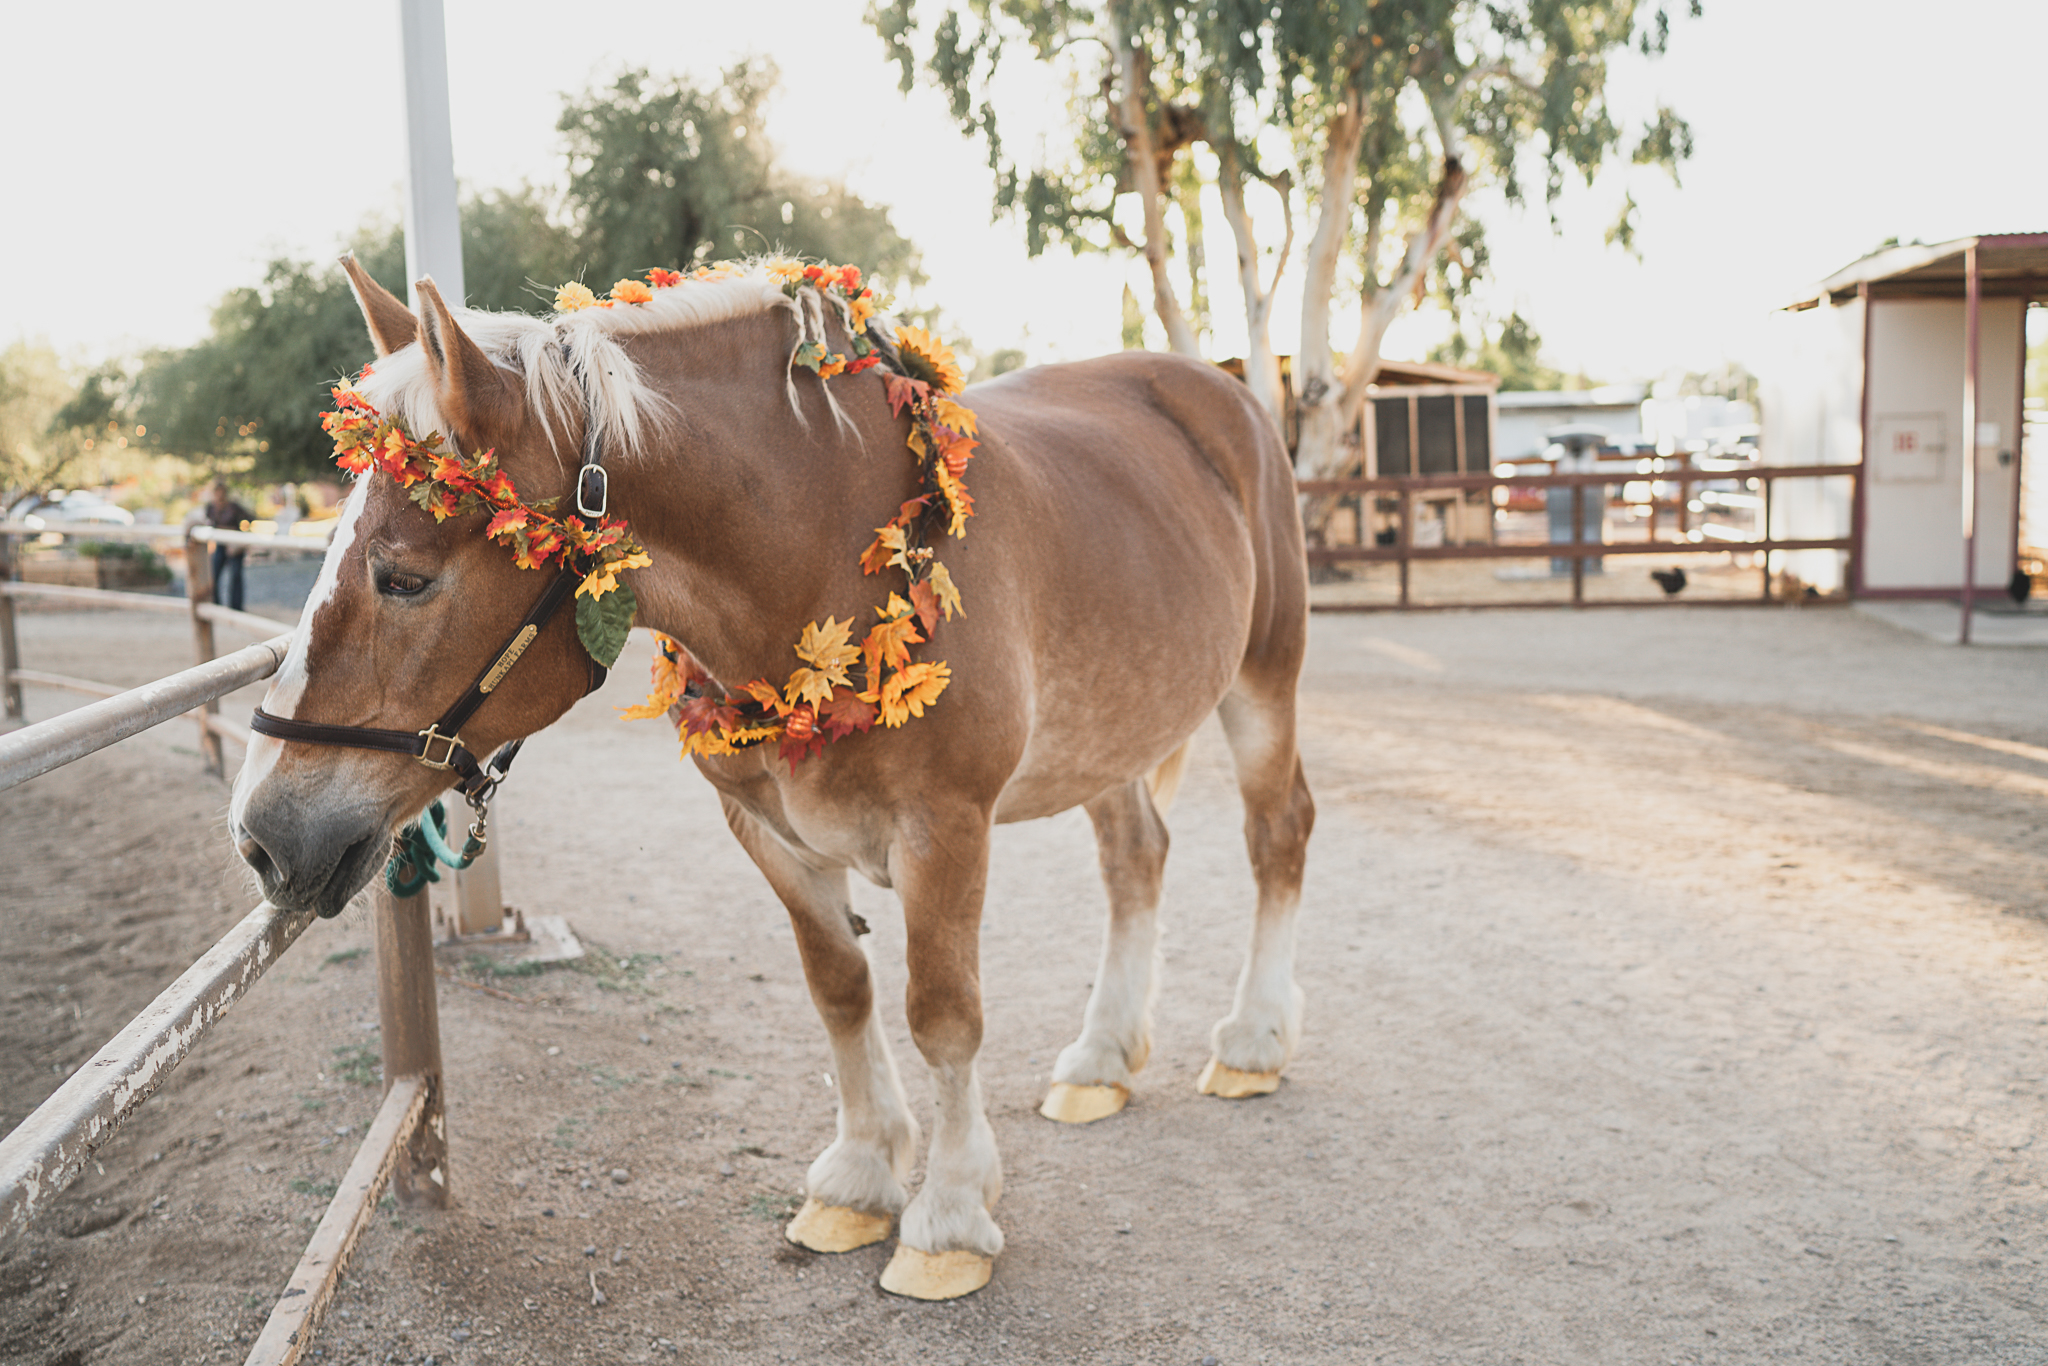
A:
821,700
449,484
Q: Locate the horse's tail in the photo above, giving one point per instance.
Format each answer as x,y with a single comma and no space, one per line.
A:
1164,780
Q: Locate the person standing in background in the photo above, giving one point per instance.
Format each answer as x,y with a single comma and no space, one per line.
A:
224,512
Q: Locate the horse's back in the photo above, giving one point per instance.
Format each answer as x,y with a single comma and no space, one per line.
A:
1146,506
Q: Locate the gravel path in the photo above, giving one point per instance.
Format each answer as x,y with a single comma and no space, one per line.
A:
1675,987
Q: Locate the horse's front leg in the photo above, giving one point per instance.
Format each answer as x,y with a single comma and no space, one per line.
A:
858,1183
1092,1078
948,1239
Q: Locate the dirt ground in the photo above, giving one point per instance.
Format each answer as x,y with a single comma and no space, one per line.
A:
1675,993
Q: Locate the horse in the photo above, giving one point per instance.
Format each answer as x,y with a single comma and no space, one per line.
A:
1135,563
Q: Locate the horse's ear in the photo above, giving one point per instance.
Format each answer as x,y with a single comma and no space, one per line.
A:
466,383
391,323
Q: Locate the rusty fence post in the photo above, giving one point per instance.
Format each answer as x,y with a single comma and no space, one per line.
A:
1764,516
1407,510
10,649
1578,544
198,592
411,1023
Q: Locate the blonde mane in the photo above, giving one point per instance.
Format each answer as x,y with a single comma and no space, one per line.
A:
573,364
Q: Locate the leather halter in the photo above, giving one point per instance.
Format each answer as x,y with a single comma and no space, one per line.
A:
440,745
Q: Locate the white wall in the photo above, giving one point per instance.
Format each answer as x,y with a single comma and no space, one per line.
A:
1811,387
1913,501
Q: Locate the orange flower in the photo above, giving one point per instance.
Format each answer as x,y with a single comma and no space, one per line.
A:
632,292
663,279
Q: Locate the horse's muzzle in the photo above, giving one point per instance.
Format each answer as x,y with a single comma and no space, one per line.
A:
307,866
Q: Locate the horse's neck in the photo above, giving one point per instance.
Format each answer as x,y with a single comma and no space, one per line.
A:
753,515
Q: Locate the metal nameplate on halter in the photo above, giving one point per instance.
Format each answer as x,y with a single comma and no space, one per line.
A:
509,658
430,735
593,491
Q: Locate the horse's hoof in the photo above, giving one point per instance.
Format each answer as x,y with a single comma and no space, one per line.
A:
1070,1104
1231,1084
936,1275
834,1228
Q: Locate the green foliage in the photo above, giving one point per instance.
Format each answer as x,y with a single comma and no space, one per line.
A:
1448,92
774,1209
319,1190
359,1063
603,621
1513,350
35,446
663,173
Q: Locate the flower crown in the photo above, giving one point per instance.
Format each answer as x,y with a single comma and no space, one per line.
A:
448,484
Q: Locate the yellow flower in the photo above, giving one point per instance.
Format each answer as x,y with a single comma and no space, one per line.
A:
929,359
858,311
573,296
631,292
784,271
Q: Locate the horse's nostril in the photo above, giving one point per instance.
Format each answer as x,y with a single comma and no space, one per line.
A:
256,856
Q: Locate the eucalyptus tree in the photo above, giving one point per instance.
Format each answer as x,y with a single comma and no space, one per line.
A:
1370,119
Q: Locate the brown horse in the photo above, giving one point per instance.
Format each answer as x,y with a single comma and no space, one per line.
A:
1136,564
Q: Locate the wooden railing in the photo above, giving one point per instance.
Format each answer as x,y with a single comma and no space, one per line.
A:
406,1147
1404,491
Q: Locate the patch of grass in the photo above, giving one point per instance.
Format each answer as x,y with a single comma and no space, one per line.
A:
307,1186
345,956
775,1209
482,965
612,972
360,1063
611,1079
565,1133
312,1103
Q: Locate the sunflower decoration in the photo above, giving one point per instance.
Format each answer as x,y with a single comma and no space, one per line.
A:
927,358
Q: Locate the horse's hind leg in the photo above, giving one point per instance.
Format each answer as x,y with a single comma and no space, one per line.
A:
858,1183
1092,1078
1253,1043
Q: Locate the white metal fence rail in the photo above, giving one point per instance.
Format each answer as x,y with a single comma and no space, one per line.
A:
406,1146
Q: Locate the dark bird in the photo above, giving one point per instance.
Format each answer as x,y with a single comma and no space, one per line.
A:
1672,580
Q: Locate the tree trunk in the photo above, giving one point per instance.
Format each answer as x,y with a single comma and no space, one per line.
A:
1133,80
1261,365
1317,396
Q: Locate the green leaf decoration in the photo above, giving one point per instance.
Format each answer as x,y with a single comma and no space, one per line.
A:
602,623
810,355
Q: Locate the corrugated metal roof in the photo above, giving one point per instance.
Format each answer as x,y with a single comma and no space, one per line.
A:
2004,262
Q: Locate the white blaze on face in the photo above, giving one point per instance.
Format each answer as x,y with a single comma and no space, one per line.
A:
289,683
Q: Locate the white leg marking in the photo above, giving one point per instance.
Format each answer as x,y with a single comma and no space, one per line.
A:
867,1167
1116,1031
1264,1023
963,1174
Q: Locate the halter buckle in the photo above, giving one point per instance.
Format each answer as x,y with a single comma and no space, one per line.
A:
428,737
593,477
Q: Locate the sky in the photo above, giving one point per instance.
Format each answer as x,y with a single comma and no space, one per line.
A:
173,150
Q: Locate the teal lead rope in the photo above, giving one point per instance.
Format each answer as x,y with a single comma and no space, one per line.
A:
423,844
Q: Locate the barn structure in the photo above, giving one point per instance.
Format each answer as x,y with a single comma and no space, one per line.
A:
1910,362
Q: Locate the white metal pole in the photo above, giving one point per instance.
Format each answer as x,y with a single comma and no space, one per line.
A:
433,233
433,247
1972,289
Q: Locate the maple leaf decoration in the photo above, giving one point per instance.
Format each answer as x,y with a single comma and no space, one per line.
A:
821,701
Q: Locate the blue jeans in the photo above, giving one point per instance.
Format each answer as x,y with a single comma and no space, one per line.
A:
227,578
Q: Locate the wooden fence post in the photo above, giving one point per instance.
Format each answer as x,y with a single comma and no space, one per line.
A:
10,649
479,899
198,592
411,1023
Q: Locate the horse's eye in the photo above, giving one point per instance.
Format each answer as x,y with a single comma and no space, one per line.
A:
398,585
